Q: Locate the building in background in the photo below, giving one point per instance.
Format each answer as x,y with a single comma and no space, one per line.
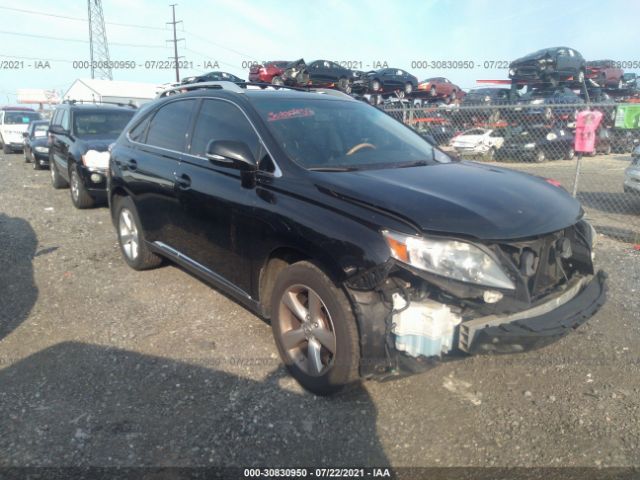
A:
94,90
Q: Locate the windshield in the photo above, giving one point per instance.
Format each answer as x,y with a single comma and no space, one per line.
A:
101,123
16,118
320,134
40,129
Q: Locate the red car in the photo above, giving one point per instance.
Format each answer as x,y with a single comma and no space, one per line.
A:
268,72
440,87
605,73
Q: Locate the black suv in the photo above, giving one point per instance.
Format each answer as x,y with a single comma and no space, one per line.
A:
369,250
551,65
79,137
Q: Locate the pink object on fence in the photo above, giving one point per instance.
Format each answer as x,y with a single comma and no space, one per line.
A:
586,124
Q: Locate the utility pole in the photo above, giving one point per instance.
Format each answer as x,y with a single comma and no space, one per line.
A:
98,46
175,40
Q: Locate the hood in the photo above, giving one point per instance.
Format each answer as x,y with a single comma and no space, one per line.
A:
98,142
531,57
460,198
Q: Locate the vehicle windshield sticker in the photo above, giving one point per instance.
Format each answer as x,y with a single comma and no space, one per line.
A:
287,114
26,119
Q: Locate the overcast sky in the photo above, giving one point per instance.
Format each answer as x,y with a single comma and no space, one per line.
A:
368,32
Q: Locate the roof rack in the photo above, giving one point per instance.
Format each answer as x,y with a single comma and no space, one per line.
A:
99,102
242,88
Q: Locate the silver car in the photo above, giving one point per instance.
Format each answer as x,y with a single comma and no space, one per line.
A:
632,173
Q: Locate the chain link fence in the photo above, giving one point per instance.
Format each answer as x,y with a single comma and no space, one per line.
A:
538,138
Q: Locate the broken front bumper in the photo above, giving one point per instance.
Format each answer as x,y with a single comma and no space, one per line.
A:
537,326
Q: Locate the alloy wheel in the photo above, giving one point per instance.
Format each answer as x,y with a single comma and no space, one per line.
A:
308,336
128,234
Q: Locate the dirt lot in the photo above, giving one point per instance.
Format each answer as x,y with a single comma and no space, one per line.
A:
102,365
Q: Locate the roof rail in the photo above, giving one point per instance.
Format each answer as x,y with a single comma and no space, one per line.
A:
222,85
332,92
99,102
242,88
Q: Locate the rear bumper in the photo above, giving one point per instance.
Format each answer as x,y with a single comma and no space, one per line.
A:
538,326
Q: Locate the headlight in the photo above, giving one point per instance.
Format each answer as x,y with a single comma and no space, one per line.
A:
96,159
42,149
487,98
512,71
529,145
449,258
537,101
551,136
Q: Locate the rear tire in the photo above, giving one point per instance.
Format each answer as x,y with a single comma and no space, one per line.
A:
540,157
131,240
305,339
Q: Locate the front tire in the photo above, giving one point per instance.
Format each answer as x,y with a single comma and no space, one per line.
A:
569,154
56,180
131,236
344,86
277,81
80,197
408,88
314,329
540,157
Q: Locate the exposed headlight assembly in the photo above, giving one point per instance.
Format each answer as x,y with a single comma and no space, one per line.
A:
95,159
449,258
42,149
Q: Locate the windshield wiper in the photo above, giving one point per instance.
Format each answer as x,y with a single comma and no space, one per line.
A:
332,169
417,163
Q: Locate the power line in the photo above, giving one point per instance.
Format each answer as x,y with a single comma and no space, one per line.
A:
78,19
76,40
220,46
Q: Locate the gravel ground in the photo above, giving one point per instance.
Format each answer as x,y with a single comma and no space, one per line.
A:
102,365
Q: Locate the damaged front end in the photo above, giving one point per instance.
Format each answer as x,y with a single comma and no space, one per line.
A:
437,298
296,73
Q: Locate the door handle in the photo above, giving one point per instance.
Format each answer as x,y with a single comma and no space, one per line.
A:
183,181
131,164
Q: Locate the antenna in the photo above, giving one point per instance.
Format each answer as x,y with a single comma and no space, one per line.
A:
98,46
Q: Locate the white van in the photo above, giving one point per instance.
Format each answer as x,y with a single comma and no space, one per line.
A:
14,121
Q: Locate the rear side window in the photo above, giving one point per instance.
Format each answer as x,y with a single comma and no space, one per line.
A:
139,132
220,120
168,128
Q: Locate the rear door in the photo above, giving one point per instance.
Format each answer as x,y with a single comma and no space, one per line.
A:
149,167
217,210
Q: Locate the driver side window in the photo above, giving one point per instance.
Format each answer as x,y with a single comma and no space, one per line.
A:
221,120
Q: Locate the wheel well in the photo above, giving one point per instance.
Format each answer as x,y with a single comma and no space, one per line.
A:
117,192
278,260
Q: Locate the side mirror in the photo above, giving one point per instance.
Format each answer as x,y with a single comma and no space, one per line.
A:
58,130
232,154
